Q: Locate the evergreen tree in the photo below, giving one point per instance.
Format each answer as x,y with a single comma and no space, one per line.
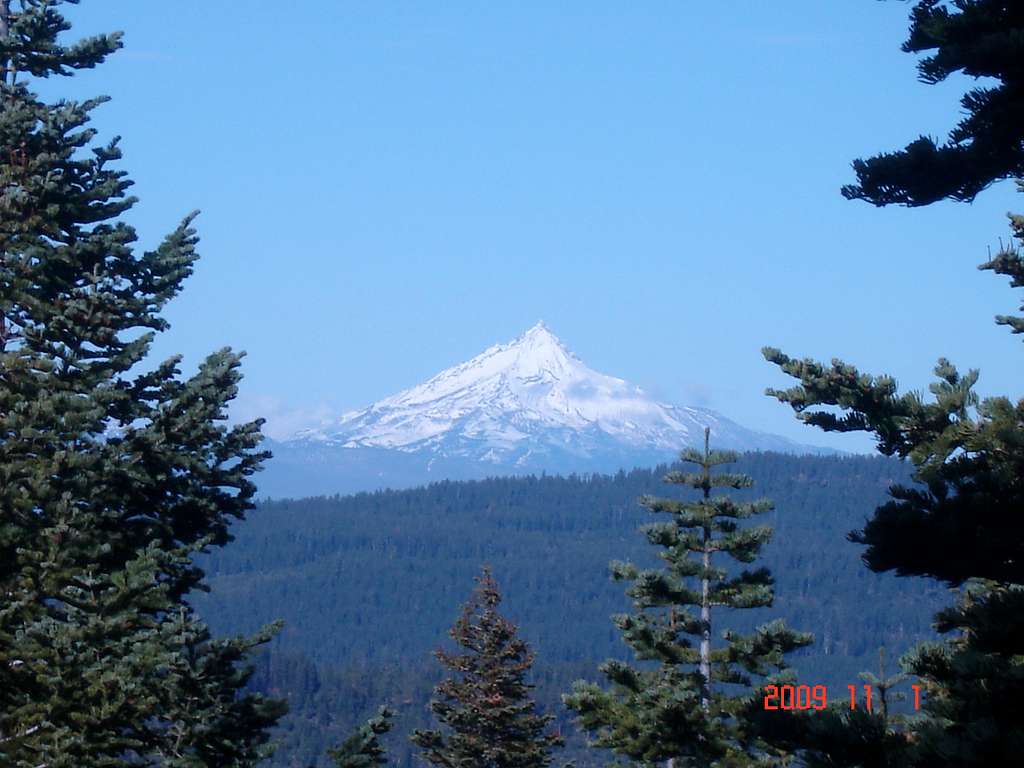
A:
962,524
981,38
884,684
110,479
362,749
486,705
692,708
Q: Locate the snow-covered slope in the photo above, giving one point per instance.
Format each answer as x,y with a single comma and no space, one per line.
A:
533,403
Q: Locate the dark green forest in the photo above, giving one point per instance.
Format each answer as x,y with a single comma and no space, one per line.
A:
367,585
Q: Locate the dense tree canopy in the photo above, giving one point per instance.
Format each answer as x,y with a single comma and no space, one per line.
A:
374,562
963,524
980,39
110,479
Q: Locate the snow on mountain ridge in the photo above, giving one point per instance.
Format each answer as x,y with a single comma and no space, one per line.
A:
525,399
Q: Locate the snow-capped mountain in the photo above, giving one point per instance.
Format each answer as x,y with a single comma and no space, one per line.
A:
528,405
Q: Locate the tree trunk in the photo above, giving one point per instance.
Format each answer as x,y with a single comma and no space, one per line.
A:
705,638
705,604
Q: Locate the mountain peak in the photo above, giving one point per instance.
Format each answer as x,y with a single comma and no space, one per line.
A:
533,352
539,336
527,398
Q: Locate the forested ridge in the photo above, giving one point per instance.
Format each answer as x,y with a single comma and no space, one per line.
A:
368,584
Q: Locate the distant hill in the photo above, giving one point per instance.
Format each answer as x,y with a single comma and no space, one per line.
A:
529,406
369,584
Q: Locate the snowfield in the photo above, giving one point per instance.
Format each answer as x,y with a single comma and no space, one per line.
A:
515,403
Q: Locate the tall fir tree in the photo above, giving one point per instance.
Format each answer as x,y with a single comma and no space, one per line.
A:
962,522
490,717
692,708
110,479
980,39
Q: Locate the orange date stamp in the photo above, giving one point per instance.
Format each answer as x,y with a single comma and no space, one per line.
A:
816,697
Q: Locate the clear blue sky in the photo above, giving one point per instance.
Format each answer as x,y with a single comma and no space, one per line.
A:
390,187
